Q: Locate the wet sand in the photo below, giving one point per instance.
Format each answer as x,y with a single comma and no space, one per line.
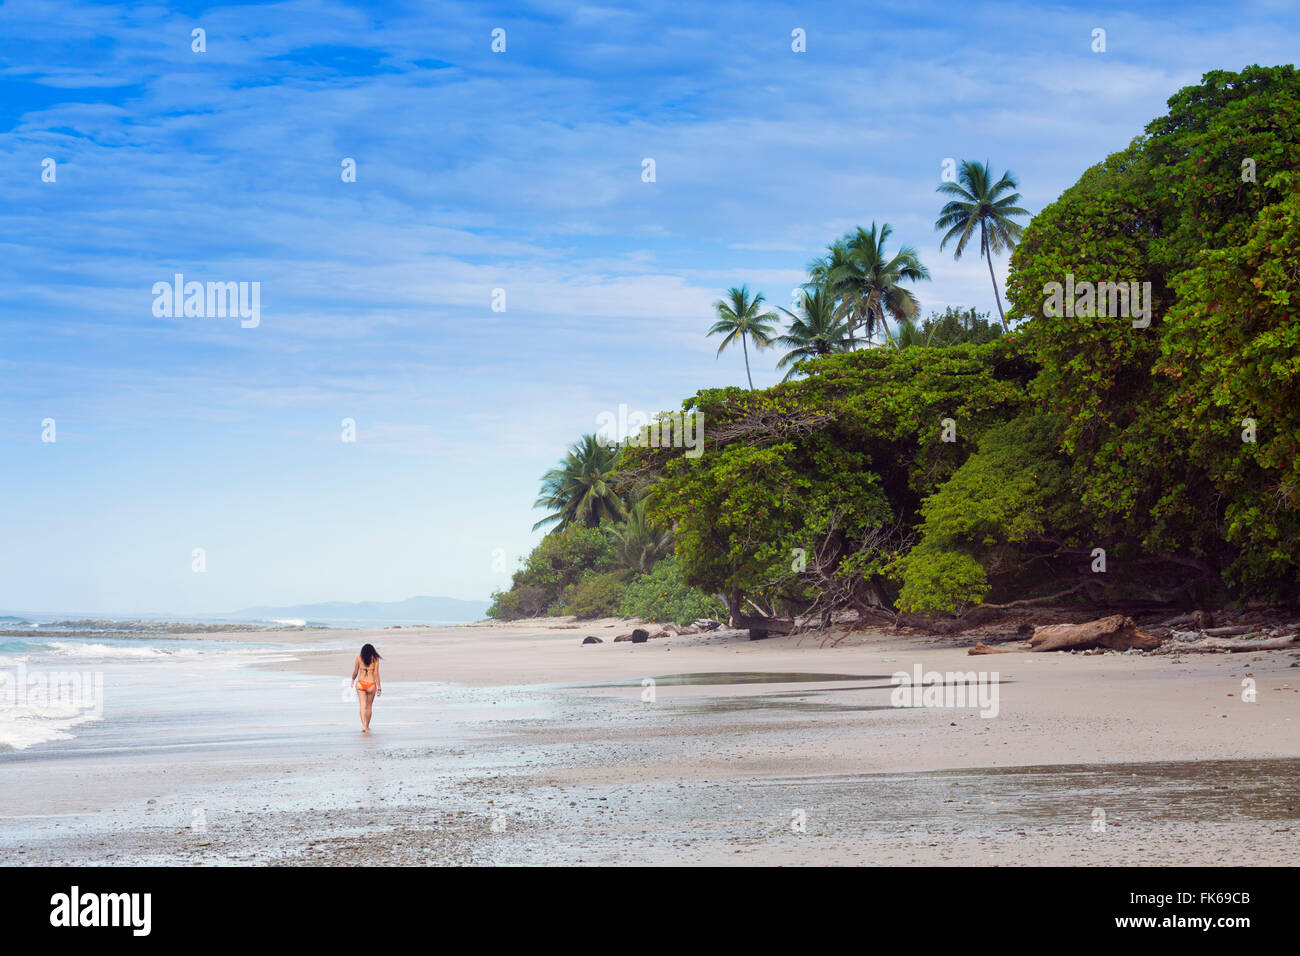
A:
517,744
1054,708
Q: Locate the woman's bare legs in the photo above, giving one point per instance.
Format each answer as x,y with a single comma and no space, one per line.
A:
366,700
367,705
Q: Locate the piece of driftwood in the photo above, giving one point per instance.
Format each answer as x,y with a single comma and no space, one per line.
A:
1196,618
1116,632
1213,644
982,648
1229,631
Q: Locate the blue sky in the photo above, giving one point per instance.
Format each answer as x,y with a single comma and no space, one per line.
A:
475,171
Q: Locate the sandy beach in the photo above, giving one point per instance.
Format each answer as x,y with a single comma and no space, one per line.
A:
517,744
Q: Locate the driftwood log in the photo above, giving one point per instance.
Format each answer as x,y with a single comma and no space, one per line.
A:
1116,632
1214,644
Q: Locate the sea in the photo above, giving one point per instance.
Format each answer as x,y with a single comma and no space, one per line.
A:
61,676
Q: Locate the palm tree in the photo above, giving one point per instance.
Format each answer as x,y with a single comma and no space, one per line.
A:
819,331
909,334
580,490
977,204
637,544
739,318
822,273
867,281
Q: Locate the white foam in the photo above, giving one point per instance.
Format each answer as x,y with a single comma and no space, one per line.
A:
21,727
107,652
27,720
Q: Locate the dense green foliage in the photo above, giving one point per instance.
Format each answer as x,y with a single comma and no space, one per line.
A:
1101,443
636,542
1004,502
1111,447
597,595
663,595
1236,322
807,491
1152,417
954,327
557,563
959,327
617,568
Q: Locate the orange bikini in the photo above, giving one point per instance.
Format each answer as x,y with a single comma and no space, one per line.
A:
367,686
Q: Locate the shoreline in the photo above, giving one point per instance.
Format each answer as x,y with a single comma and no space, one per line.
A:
516,743
1058,705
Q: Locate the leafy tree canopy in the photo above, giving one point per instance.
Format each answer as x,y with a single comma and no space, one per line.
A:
1202,208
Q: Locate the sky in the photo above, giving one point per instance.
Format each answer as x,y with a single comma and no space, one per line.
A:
475,171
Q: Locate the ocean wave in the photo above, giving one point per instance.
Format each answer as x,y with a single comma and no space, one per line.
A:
37,651
105,651
31,713
22,727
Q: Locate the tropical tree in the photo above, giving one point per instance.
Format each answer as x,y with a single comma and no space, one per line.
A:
739,318
1161,456
960,326
867,281
980,203
820,270
580,490
818,331
636,543
909,334
556,567
822,273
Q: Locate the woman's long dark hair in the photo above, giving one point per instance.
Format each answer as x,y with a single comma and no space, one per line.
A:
369,655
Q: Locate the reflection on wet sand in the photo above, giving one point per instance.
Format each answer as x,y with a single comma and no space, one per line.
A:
740,677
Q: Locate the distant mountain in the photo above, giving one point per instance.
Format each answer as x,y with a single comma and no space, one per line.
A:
416,610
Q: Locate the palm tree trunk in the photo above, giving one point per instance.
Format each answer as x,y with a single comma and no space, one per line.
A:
996,298
745,345
884,323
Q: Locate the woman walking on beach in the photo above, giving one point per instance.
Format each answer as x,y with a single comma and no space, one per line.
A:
365,677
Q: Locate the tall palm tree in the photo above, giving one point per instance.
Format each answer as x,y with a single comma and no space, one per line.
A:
980,203
580,490
867,281
739,318
637,544
819,331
